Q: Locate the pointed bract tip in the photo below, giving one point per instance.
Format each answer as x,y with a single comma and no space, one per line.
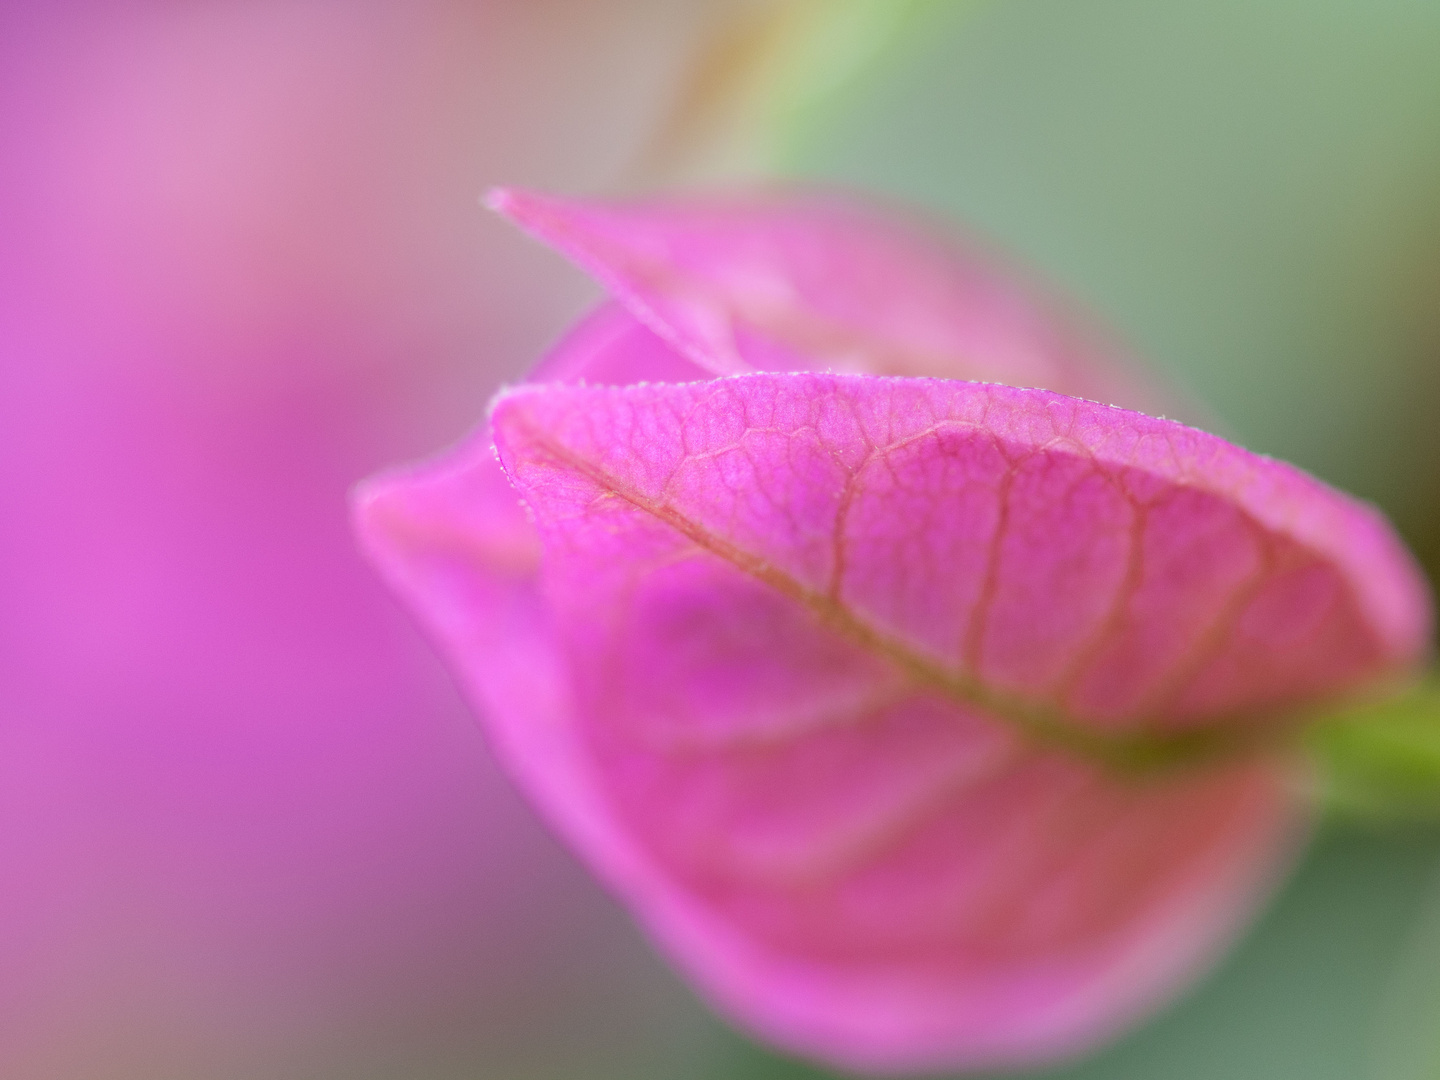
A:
501,199
531,210
502,399
361,498
376,509
554,220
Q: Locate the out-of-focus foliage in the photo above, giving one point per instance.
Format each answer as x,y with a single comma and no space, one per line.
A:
766,74
1407,1032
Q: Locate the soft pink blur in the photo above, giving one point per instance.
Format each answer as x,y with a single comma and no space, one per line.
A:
246,827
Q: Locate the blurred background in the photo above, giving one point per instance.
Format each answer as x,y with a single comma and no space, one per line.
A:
247,827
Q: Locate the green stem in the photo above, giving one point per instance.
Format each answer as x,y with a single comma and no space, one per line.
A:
1382,760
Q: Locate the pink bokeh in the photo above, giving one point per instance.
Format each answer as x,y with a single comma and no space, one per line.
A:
245,822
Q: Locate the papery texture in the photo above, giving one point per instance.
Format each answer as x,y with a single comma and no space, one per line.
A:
727,284
810,645
1115,570
790,280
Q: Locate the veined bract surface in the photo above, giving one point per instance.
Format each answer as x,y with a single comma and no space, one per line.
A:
926,722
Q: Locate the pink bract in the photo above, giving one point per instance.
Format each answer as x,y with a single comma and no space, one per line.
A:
815,281
833,677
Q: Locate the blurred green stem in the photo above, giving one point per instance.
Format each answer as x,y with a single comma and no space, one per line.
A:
1382,760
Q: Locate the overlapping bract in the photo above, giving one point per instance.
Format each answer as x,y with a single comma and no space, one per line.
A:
821,672
814,281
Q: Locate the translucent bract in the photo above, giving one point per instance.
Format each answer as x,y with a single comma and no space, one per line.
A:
849,683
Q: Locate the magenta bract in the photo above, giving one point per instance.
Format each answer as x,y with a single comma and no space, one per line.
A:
840,680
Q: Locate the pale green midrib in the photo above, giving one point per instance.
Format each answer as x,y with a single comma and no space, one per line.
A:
1136,752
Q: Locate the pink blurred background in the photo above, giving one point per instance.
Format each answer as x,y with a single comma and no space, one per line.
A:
246,826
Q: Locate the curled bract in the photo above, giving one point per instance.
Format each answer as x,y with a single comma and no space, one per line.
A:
923,721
